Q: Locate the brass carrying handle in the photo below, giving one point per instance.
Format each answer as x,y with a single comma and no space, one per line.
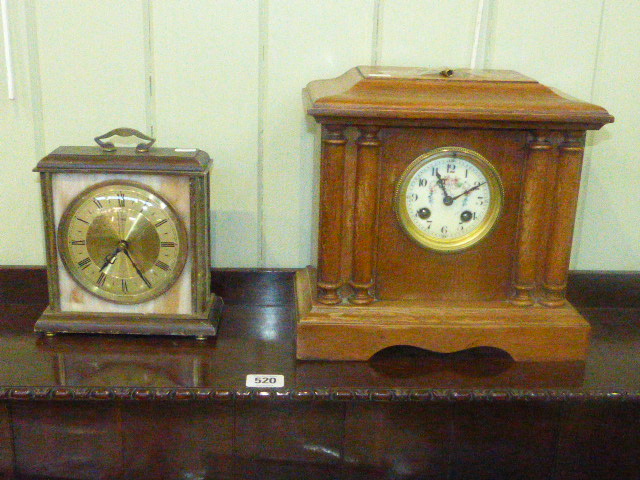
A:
125,132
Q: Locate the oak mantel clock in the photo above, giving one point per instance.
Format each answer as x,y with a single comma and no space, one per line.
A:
127,240
447,205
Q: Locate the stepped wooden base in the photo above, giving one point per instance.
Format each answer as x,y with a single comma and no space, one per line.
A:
200,326
350,332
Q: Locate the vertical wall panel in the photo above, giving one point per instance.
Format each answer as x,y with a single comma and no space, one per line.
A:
306,41
205,57
21,228
609,236
91,55
426,33
553,42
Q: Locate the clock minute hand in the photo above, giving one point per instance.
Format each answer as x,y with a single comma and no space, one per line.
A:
140,274
469,190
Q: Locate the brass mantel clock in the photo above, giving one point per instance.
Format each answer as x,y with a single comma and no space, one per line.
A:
447,205
128,240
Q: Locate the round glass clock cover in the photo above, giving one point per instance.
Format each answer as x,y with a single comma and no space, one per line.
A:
449,199
122,242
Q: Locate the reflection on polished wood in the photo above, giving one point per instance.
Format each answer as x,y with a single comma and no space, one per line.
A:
77,406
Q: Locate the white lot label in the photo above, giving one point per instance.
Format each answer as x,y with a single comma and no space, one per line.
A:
265,381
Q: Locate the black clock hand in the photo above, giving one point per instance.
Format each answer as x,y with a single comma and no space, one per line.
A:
111,258
467,191
447,198
140,274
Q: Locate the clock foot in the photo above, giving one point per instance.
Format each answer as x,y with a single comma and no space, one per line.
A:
49,334
201,338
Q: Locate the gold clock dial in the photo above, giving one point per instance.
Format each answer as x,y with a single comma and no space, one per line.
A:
449,199
122,242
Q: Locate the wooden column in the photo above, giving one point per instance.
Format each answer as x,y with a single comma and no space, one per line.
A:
362,278
567,184
331,198
532,201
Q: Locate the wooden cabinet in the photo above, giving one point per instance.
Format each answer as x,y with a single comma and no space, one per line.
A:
375,286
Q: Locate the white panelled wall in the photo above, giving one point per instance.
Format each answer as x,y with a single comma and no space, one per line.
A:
226,77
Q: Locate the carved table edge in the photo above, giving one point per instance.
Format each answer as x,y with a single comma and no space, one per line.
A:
439,395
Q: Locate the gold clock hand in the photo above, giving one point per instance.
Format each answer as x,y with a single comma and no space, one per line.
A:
467,191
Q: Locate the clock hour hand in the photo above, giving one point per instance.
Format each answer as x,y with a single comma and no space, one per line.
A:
111,258
140,274
467,191
447,198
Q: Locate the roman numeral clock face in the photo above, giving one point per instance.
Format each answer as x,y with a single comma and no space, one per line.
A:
122,242
448,199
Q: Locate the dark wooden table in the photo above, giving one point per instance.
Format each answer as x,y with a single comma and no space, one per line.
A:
109,407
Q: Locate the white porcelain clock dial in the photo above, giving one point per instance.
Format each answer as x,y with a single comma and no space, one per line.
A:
449,199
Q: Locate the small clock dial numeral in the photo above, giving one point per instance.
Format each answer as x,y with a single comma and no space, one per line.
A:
84,263
116,245
163,266
456,207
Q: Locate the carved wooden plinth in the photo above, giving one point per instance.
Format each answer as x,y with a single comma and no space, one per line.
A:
344,332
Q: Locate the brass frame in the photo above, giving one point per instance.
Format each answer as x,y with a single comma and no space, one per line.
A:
200,242
51,250
71,267
476,235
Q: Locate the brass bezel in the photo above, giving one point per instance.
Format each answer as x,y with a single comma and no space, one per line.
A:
73,269
468,240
